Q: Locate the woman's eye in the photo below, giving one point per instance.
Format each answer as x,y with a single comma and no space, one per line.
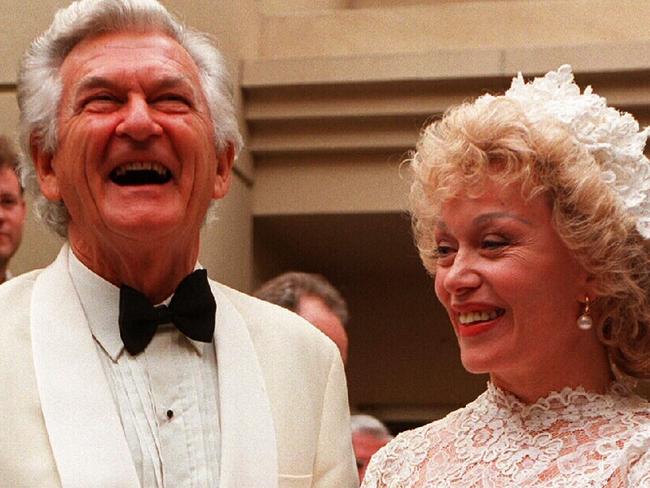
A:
442,251
493,243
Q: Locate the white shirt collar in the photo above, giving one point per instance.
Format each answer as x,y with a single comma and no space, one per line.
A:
100,301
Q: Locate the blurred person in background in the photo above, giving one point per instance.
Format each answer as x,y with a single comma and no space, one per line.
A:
369,435
313,298
12,206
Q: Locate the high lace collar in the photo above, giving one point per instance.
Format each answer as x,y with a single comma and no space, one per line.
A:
575,399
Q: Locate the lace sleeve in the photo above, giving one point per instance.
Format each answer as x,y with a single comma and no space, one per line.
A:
373,472
639,474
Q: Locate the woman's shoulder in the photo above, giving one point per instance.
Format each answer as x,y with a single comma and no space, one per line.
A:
402,458
620,403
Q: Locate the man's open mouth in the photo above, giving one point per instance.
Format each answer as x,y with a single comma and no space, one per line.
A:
140,173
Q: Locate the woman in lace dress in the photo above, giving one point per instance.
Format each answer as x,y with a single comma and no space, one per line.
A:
532,211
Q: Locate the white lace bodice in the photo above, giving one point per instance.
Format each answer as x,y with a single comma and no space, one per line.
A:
567,439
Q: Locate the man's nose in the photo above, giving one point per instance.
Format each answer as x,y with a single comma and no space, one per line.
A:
137,122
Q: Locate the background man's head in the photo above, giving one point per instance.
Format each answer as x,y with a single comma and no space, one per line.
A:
369,435
41,85
12,205
315,299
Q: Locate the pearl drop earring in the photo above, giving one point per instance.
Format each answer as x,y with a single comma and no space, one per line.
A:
585,321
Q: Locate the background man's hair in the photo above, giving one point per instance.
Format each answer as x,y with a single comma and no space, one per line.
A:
287,289
9,156
367,424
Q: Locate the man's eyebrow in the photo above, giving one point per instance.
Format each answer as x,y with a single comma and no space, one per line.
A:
173,82
164,83
93,82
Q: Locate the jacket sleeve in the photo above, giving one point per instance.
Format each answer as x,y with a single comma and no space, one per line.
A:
335,464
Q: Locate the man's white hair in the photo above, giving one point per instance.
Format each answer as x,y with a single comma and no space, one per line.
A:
40,85
367,424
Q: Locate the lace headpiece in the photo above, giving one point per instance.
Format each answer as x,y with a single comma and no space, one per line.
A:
612,137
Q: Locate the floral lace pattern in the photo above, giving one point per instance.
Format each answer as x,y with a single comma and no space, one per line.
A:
568,439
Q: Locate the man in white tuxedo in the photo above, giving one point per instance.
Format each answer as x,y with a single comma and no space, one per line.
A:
121,364
315,299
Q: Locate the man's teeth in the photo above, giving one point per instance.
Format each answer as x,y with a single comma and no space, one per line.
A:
483,316
140,166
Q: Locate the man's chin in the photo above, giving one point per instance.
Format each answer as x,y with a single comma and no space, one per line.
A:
149,228
6,252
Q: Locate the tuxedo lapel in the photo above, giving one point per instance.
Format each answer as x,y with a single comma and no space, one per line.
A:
82,422
249,452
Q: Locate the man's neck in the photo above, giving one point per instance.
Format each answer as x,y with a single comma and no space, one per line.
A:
155,274
3,271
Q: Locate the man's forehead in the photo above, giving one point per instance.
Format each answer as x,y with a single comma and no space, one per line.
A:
137,50
124,40
8,180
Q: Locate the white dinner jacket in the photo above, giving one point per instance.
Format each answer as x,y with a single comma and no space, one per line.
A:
62,402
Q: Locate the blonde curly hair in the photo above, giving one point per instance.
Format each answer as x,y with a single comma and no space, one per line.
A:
495,140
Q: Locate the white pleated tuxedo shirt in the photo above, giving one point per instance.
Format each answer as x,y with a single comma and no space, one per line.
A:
166,397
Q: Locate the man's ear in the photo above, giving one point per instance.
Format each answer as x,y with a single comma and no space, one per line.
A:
23,208
225,161
43,163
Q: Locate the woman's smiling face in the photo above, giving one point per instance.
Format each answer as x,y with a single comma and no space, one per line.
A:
510,285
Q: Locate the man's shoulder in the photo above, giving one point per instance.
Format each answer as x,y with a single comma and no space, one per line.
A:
15,304
15,291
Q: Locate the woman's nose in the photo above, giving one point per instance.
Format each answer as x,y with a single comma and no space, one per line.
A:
461,275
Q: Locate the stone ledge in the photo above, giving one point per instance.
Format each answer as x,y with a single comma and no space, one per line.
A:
445,64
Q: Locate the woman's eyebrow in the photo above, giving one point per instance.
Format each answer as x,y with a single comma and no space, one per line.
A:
488,217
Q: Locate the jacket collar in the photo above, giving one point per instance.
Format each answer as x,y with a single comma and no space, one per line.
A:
82,422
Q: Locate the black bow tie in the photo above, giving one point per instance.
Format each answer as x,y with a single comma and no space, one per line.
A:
191,310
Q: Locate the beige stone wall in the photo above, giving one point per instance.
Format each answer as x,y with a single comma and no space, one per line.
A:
494,24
